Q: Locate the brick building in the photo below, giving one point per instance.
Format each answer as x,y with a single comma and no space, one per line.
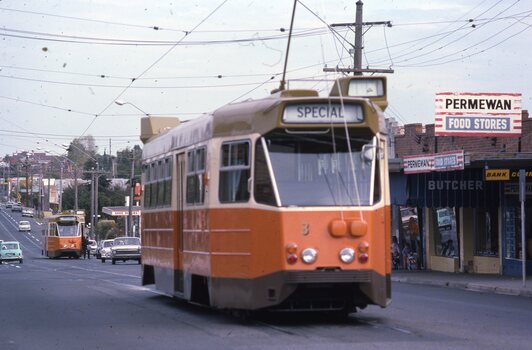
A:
466,223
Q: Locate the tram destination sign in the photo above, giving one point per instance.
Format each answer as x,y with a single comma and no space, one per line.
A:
477,114
445,161
312,113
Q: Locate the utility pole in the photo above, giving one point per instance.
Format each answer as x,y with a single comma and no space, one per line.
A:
75,188
95,174
61,189
358,46
92,203
130,215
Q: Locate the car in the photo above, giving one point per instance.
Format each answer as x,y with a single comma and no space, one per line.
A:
125,248
104,249
28,212
92,246
9,205
16,207
24,226
10,251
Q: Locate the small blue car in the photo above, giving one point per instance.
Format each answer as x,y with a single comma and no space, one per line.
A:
9,251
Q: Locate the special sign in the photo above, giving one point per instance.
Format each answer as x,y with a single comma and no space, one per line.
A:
477,114
323,113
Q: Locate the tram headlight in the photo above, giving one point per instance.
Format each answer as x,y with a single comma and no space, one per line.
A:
309,255
347,255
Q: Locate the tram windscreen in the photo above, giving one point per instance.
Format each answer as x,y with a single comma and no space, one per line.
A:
322,169
68,229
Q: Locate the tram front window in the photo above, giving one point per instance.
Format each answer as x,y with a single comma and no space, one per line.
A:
68,230
312,169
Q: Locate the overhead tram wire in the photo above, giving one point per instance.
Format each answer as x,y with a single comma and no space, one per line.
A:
473,54
158,28
423,63
130,42
154,63
413,52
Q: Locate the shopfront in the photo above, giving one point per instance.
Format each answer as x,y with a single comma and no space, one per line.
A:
461,216
511,228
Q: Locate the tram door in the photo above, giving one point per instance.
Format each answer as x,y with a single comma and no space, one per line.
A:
181,181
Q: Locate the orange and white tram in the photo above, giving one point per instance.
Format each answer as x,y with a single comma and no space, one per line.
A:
280,203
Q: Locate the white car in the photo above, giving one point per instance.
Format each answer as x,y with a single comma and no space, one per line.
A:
126,248
24,226
104,249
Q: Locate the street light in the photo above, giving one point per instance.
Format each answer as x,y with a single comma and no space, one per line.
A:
121,103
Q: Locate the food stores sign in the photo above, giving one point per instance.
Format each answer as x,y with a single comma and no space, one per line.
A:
445,161
477,114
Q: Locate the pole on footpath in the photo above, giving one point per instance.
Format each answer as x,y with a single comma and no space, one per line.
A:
522,197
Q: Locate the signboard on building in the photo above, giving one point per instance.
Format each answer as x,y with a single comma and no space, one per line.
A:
477,114
445,161
505,174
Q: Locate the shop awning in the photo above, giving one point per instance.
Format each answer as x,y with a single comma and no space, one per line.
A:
465,188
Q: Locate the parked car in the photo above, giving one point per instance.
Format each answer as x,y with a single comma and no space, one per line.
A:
104,249
92,246
9,251
125,248
28,212
16,207
24,226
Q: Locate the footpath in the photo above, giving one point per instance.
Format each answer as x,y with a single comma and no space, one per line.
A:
485,283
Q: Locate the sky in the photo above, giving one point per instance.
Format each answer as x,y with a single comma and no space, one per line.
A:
63,64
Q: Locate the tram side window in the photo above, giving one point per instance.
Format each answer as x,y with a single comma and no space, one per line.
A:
263,191
168,181
234,172
160,184
195,175
153,185
146,181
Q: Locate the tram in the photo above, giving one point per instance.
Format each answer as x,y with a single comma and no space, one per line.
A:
63,235
280,203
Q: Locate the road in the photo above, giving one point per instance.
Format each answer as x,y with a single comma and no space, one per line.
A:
84,304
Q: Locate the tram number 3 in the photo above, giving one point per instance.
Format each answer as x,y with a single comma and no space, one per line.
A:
306,229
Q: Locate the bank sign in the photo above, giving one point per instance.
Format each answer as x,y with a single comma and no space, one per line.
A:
477,114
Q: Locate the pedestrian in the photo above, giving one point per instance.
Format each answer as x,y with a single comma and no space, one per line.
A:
84,247
396,253
406,253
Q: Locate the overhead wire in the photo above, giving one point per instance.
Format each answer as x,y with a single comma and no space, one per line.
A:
156,62
415,54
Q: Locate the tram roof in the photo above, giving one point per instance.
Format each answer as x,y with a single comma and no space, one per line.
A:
248,117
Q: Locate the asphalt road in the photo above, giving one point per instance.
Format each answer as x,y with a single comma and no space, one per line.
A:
84,304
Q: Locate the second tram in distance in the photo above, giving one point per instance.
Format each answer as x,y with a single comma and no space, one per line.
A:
63,235
279,203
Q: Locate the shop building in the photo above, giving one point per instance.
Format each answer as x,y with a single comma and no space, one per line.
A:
466,220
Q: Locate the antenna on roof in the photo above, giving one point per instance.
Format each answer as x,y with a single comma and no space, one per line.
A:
283,82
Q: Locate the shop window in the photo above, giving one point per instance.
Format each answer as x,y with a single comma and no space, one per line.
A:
445,232
486,232
512,227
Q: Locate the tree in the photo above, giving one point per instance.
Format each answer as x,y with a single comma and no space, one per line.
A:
107,229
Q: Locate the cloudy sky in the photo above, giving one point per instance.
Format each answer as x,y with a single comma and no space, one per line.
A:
64,63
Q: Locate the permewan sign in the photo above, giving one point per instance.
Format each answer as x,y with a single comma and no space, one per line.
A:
445,161
477,114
